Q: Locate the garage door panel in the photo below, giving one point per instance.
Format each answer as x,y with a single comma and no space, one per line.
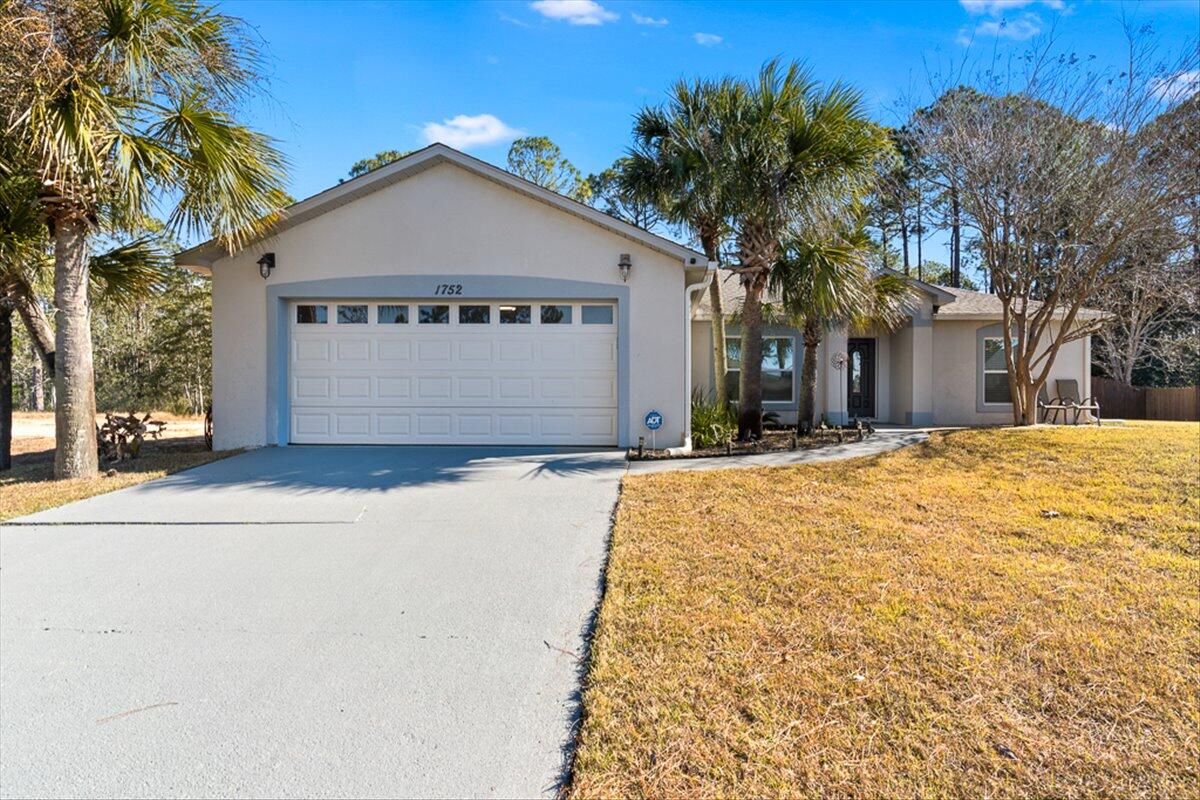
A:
391,350
454,383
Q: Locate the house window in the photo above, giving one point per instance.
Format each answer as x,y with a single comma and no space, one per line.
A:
312,315
514,315
777,352
556,315
433,315
995,373
392,315
352,315
596,315
474,315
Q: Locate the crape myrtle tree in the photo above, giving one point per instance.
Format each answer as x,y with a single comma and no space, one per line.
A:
678,164
121,109
798,151
1051,173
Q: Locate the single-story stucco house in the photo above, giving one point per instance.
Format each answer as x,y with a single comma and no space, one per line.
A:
441,300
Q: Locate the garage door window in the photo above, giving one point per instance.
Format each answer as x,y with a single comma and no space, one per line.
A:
596,315
474,315
556,315
514,315
433,315
392,315
312,314
352,315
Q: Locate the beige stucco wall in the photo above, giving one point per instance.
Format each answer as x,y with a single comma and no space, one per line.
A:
957,367
944,380
446,221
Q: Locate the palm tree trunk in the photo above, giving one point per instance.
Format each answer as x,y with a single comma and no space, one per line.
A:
6,396
37,380
40,332
807,411
750,402
75,414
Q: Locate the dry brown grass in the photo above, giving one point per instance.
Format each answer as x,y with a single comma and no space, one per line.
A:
890,627
30,486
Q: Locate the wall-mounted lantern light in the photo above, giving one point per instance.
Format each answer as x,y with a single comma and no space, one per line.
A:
266,264
624,265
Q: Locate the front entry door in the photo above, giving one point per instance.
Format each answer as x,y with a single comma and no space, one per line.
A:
860,389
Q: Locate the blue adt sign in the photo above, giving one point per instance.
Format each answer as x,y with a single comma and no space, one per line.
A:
653,420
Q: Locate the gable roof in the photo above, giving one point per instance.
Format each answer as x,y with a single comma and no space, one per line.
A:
968,304
952,303
733,294
202,256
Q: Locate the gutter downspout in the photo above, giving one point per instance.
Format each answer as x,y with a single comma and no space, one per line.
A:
689,303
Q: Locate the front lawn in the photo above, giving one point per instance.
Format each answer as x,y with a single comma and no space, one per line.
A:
30,486
994,613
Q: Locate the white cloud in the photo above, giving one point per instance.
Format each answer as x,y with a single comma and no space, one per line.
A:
707,39
1174,88
640,20
1026,26
465,131
995,8
576,12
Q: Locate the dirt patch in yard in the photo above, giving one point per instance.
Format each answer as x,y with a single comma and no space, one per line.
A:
30,486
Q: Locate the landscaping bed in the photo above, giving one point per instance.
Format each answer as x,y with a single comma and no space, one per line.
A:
773,440
994,613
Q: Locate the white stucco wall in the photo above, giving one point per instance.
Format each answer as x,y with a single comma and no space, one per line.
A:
956,360
446,221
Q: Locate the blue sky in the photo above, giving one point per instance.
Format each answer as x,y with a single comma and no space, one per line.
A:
351,78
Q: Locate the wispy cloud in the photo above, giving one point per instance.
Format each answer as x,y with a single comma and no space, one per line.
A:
520,23
707,39
997,7
576,12
1026,26
1174,88
640,20
1002,24
465,131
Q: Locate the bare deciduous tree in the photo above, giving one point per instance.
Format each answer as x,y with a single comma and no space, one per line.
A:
1056,180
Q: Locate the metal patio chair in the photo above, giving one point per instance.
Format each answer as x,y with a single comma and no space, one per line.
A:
1068,392
1046,405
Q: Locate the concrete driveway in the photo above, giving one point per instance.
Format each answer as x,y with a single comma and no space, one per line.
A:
308,622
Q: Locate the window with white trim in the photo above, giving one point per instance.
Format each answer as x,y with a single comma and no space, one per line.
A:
777,366
995,372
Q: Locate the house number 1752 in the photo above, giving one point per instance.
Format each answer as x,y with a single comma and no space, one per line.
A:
448,288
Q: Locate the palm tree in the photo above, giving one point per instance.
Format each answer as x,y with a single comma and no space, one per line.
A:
125,272
121,107
823,282
797,153
677,163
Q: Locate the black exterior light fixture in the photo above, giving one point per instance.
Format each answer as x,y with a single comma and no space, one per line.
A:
624,266
266,264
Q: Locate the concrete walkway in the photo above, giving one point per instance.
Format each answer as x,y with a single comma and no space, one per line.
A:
306,622
885,439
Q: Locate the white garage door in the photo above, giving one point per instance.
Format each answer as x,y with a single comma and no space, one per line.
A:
468,372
